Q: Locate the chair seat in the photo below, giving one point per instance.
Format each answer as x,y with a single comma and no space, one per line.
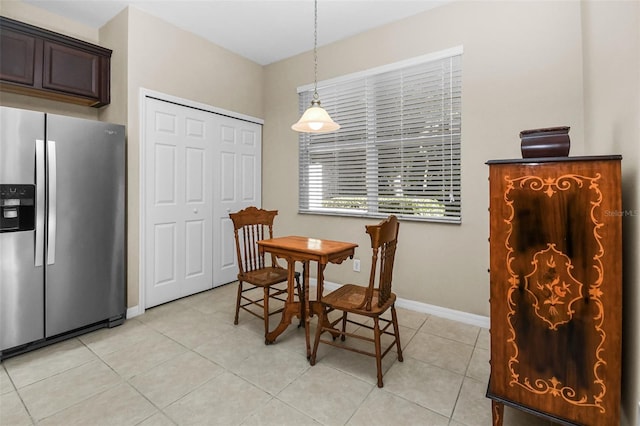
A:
264,277
351,297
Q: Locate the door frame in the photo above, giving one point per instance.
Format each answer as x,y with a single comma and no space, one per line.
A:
142,216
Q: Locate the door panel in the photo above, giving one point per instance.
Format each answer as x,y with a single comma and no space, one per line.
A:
237,186
165,177
247,171
179,145
165,254
195,248
195,175
227,173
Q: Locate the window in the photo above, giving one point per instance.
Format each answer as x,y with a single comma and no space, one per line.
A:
398,149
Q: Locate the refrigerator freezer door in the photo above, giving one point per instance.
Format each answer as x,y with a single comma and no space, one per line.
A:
85,281
21,291
18,134
21,282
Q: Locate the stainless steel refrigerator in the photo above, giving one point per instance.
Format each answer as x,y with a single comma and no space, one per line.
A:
62,219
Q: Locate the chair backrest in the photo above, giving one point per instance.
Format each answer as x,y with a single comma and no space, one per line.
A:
384,239
249,226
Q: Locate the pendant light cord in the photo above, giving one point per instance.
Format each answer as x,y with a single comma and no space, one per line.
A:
315,119
315,50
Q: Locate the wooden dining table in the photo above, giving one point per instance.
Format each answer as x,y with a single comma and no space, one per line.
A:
305,250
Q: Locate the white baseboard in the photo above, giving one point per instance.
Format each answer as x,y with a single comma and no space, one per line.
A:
134,311
425,308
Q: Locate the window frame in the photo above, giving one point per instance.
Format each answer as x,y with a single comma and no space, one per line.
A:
373,148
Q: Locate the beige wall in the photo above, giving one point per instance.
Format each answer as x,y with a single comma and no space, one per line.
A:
611,42
114,36
16,9
522,69
166,59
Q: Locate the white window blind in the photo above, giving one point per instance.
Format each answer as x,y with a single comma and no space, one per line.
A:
398,150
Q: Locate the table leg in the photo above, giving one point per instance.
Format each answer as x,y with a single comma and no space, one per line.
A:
303,297
313,307
291,307
320,286
316,307
306,303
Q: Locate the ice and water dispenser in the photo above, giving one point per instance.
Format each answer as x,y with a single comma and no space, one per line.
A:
17,207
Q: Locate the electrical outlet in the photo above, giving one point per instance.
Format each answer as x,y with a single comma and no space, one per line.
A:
356,265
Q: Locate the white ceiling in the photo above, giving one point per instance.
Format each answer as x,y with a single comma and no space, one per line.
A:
263,31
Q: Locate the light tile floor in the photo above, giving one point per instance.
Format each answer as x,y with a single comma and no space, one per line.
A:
185,363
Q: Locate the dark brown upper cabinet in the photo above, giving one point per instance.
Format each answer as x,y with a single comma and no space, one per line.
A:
38,62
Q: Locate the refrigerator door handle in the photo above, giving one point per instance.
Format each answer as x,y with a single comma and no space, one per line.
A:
40,167
51,235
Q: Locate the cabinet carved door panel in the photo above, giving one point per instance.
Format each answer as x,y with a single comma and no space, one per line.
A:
71,70
556,288
21,48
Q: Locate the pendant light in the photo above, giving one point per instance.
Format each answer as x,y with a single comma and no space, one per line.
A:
315,119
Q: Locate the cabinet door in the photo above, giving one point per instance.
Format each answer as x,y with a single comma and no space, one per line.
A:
38,62
71,70
18,52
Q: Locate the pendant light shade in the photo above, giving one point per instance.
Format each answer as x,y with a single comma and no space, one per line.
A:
315,119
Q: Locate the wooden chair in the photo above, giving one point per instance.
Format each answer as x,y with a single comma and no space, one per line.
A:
371,301
249,226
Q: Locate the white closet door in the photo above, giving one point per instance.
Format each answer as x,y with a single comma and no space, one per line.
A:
178,179
237,178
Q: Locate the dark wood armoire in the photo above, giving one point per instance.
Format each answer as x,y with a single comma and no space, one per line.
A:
556,288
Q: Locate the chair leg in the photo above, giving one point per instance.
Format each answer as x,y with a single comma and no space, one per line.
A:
265,303
300,289
344,326
376,336
301,300
238,300
316,342
396,331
